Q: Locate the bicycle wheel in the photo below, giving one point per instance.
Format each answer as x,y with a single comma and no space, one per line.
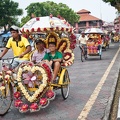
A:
6,99
65,87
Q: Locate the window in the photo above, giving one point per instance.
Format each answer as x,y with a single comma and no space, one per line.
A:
82,24
93,23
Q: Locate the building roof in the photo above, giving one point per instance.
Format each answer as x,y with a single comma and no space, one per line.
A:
83,11
85,15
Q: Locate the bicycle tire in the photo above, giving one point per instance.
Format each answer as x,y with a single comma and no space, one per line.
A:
4,103
66,85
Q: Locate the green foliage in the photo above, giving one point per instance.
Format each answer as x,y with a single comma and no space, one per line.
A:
49,7
9,12
24,20
114,3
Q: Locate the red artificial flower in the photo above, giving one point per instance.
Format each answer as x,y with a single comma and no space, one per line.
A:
31,64
50,94
37,18
17,95
32,30
43,101
24,107
17,103
34,106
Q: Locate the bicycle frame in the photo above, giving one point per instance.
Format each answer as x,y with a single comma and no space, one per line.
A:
8,63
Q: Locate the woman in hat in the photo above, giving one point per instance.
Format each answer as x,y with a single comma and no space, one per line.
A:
40,51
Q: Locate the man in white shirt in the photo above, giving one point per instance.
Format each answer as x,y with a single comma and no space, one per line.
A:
83,42
83,39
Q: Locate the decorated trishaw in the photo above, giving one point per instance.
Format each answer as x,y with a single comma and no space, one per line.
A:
116,37
94,43
31,88
105,39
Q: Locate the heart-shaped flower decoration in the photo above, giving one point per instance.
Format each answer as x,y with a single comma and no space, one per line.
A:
32,76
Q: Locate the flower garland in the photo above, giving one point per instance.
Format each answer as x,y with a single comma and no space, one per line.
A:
72,41
64,44
51,39
7,75
41,86
68,58
48,70
44,101
35,106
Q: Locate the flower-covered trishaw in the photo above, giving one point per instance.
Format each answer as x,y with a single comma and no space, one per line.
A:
34,89
94,43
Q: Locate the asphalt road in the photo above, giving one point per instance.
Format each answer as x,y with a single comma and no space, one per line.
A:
84,76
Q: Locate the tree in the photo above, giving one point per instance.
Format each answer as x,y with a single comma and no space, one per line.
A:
114,3
49,7
9,12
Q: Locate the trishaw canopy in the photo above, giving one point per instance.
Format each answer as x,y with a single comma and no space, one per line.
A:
94,30
46,23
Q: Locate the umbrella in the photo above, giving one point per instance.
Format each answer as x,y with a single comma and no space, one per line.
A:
46,23
8,34
94,30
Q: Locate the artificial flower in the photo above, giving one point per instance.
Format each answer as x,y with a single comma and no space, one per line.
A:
30,79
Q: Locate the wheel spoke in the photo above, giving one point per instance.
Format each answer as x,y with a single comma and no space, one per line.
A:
5,99
65,86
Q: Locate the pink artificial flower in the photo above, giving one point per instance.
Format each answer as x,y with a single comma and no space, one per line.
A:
30,79
5,68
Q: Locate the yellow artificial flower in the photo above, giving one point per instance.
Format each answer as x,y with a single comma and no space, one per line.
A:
2,88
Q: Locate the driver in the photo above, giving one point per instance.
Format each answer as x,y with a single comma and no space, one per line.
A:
83,41
19,45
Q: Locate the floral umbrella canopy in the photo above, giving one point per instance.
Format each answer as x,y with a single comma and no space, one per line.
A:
93,30
47,23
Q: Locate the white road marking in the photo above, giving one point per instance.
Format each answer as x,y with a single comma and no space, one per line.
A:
84,113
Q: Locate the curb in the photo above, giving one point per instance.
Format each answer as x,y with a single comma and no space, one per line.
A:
118,114
110,101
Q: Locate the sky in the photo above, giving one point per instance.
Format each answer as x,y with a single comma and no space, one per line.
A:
97,8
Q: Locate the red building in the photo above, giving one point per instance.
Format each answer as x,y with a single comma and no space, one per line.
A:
87,21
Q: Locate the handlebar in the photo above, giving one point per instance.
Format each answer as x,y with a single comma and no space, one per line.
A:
9,58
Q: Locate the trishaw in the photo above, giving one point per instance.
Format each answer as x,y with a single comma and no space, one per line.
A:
116,37
94,43
30,87
106,41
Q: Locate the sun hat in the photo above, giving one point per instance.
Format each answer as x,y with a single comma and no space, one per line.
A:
39,41
14,28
